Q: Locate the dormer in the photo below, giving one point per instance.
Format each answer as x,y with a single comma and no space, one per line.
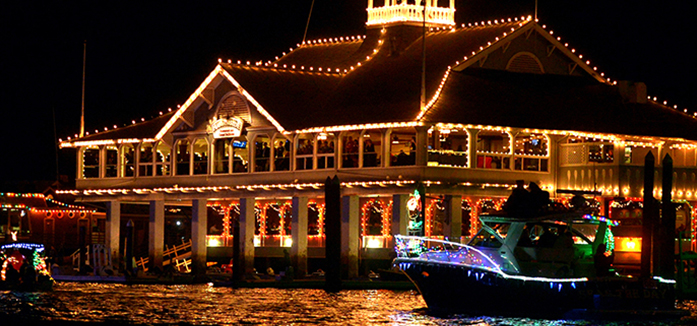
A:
410,12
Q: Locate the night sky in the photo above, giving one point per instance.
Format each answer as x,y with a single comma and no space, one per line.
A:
146,56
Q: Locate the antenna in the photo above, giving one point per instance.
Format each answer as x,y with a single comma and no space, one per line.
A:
423,62
82,117
308,20
535,10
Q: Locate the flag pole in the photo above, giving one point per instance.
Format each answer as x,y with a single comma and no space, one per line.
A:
82,116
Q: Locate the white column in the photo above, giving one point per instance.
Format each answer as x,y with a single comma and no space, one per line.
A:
156,230
199,228
246,241
350,239
113,226
298,252
472,148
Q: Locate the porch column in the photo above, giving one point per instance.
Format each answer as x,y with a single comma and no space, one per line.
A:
350,238
400,214
199,228
472,147
113,225
156,231
453,226
421,146
298,252
246,240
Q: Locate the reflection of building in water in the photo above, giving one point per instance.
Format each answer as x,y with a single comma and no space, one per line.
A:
506,101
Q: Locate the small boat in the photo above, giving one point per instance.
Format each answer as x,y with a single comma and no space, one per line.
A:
556,265
23,268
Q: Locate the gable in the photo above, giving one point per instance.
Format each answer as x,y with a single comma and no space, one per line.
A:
531,49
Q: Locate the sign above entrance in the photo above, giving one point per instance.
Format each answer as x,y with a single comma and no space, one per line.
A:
226,127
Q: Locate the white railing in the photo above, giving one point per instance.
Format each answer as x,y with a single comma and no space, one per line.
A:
410,13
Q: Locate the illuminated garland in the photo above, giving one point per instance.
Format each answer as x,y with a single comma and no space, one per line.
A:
384,214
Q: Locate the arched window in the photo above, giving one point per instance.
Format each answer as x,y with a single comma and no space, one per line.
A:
183,157
372,147
349,150
402,148
315,224
531,152
436,216
240,155
262,152
112,160
90,162
200,152
281,154
221,160
162,159
304,152
325,151
493,149
145,160
375,224
128,160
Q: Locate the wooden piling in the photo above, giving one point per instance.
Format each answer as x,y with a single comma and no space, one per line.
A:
332,224
647,219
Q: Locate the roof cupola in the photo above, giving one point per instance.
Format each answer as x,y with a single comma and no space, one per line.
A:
410,12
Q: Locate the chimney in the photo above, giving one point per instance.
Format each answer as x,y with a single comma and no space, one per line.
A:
633,92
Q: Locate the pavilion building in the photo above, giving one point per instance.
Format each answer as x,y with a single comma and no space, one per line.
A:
463,116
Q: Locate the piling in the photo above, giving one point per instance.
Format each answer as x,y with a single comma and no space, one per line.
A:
647,216
332,224
667,222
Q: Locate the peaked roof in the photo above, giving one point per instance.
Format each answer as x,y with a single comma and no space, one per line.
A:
377,79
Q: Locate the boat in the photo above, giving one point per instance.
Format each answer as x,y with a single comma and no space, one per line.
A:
556,265
23,268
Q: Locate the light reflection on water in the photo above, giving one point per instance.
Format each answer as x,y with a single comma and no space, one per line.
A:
204,305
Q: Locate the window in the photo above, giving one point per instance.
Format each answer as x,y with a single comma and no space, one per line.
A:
325,151
372,146
304,152
112,159
200,152
240,155
262,152
183,157
221,160
281,155
402,149
162,159
532,152
493,150
349,150
145,160
128,161
448,147
90,162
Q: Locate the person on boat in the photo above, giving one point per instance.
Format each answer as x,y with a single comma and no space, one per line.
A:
518,203
540,198
548,238
602,260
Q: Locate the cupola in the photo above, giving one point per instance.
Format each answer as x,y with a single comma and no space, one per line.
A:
410,12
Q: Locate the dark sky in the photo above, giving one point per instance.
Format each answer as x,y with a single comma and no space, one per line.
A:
146,56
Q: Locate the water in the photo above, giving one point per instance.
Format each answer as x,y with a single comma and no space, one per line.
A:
74,303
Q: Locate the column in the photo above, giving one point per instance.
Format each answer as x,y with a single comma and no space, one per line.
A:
298,252
246,241
350,239
400,214
472,148
453,227
199,228
113,226
156,231
421,146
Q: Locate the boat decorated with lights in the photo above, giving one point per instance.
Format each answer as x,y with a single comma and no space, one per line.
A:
557,264
23,267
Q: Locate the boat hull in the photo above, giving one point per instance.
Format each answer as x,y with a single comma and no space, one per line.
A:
456,288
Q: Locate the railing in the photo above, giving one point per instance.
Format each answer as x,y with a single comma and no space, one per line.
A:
423,248
411,13
447,158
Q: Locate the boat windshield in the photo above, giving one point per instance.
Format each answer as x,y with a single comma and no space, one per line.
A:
491,236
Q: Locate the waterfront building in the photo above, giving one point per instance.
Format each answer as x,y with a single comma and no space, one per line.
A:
460,117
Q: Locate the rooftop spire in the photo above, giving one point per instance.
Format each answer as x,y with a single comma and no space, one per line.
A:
410,12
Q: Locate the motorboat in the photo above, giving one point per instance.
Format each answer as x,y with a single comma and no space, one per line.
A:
551,265
23,267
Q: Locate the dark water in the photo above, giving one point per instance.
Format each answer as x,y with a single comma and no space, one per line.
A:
72,303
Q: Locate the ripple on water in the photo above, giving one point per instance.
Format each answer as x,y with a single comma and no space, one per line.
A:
205,305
